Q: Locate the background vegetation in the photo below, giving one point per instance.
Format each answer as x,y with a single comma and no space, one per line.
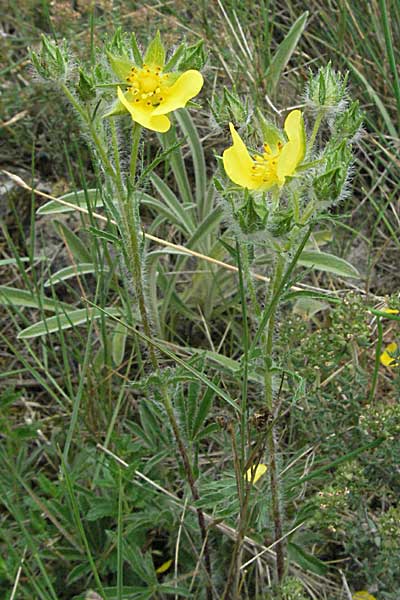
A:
66,522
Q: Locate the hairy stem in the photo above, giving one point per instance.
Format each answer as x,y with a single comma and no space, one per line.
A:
130,234
271,440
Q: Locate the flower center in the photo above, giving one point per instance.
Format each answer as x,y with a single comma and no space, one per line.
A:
265,164
147,85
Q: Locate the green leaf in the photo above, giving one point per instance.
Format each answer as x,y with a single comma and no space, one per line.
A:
72,318
306,561
101,507
104,235
327,263
155,53
284,52
118,344
308,307
202,412
137,56
197,153
173,203
310,294
78,248
16,297
69,272
83,198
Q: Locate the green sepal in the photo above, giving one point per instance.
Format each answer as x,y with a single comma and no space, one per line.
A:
270,132
155,53
121,65
116,109
176,57
137,55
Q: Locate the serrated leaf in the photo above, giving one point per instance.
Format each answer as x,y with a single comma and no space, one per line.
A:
328,263
16,297
101,507
76,246
284,52
70,319
80,198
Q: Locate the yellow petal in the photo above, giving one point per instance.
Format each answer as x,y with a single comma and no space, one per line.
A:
363,596
391,311
178,95
238,164
145,116
253,475
386,359
164,567
294,150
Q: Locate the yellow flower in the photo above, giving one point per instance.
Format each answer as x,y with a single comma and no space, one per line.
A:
264,171
151,94
389,355
363,596
254,474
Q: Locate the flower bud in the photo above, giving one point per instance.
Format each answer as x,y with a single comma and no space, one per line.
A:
329,186
52,61
327,90
193,57
86,87
230,108
251,216
348,123
281,222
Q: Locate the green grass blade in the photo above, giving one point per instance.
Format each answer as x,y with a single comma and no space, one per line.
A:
190,132
284,53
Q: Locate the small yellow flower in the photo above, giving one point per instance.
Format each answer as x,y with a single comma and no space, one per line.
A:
264,171
363,596
254,474
151,94
389,355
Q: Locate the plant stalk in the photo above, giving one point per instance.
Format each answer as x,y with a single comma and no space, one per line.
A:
130,234
271,436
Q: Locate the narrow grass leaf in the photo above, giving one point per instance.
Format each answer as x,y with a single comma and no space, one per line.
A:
284,53
190,132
